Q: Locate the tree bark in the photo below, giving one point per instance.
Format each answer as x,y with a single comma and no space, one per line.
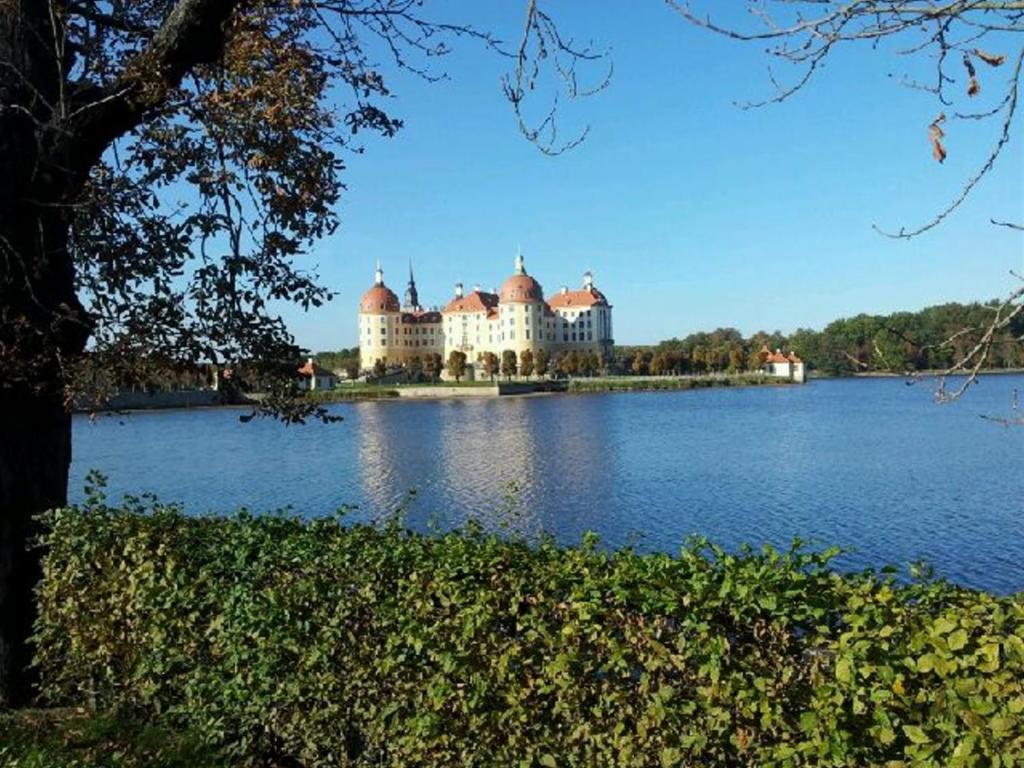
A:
35,454
42,326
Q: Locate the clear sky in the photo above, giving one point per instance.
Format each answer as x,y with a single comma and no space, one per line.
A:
692,212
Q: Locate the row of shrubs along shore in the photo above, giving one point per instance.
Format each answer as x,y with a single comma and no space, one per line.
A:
319,643
577,385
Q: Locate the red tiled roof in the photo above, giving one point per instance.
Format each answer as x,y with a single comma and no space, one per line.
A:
777,357
379,299
793,358
311,368
477,301
583,298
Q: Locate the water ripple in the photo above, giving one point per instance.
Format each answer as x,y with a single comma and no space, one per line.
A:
871,465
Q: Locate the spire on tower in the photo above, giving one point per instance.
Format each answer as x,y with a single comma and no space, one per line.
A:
520,262
412,299
378,277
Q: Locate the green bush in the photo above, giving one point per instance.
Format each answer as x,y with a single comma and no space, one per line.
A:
75,739
321,644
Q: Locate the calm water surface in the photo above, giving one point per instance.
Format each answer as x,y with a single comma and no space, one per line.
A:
867,464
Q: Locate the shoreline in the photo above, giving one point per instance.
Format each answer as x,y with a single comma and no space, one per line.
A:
478,390
929,374
487,390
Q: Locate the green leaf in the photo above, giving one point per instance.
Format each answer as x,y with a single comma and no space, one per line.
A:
1001,725
916,734
943,626
808,721
844,670
886,735
957,640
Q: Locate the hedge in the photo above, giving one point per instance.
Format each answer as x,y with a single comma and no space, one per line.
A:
318,643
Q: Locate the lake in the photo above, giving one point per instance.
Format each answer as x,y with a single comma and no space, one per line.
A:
870,464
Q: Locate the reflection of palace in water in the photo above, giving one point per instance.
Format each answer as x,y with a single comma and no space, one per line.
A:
498,461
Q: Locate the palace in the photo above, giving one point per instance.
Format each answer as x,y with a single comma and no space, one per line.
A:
517,318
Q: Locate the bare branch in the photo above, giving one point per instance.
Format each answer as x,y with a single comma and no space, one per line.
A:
804,33
540,42
1010,108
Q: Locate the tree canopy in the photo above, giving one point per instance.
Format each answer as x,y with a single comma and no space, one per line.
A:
938,338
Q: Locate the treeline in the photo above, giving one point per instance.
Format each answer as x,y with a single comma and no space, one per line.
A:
340,361
932,338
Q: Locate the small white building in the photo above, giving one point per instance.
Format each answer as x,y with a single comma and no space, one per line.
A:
313,377
784,366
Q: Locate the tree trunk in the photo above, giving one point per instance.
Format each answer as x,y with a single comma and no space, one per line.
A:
42,331
43,328
35,453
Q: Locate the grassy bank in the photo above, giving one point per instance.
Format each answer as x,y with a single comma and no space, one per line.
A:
326,645
668,383
353,392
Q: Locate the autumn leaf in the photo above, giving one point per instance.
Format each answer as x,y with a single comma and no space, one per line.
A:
935,135
973,86
992,59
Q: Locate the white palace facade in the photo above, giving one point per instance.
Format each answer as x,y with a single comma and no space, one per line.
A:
517,318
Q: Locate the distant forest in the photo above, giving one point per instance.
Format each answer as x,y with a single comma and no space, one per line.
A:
930,339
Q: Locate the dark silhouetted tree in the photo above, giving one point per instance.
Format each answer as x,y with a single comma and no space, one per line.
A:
111,113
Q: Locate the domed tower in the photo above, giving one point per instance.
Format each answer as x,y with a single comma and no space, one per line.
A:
521,311
379,320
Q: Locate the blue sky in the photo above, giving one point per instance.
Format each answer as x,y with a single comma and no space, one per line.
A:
691,212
